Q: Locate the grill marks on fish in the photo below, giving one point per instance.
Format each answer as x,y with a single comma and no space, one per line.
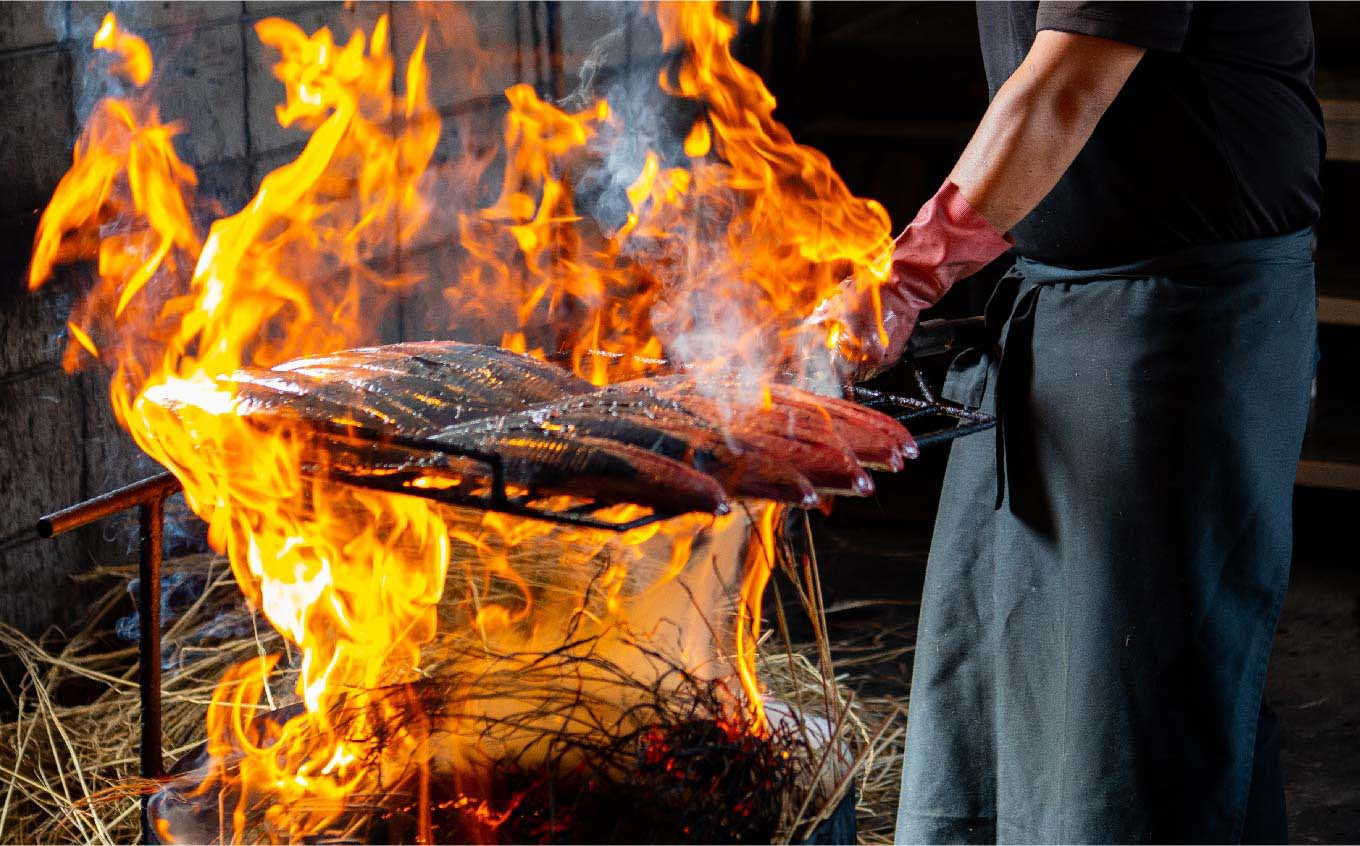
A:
782,434
599,468
665,430
414,388
677,443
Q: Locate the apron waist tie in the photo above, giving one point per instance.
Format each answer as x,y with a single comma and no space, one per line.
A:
1014,357
1012,377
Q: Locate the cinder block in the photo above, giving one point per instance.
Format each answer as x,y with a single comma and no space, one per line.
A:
596,32
266,92
31,24
475,50
429,313
199,82
223,189
40,468
424,310
148,18
32,323
36,134
110,458
644,39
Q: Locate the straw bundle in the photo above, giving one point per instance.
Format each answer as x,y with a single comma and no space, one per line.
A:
69,755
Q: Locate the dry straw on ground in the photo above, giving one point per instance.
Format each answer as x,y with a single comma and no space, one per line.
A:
69,756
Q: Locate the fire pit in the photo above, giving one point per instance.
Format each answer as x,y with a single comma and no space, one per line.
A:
518,577
691,750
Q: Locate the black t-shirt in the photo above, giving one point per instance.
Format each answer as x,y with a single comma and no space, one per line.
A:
1216,136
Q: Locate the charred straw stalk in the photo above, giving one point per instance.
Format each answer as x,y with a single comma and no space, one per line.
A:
47,799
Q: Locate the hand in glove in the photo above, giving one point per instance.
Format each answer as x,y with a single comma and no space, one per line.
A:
947,241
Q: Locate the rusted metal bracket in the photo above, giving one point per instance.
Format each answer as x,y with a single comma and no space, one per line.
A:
148,497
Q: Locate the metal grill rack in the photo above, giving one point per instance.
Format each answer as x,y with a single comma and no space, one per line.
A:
930,420
487,493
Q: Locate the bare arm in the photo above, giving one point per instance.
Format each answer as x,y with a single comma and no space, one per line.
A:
1039,121
1034,128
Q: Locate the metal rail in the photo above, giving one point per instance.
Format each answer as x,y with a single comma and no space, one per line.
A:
148,497
496,498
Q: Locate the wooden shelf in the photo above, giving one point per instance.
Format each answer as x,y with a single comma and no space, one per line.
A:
1331,456
1338,287
1320,469
1342,121
1334,475
1339,96
1338,309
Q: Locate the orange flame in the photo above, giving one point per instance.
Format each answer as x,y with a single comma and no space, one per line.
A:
719,257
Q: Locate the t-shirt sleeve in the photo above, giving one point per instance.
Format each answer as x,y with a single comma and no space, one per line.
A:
1155,26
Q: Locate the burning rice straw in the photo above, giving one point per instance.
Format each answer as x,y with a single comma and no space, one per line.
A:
70,754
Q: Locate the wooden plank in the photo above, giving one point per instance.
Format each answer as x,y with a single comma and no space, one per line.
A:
1332,474
1342,121
1336,310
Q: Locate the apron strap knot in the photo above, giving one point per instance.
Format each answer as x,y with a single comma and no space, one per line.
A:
1014,369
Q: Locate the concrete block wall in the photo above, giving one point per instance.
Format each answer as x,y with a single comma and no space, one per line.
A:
58,440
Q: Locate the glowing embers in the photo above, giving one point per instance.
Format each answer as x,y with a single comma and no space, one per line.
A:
587,659
685,781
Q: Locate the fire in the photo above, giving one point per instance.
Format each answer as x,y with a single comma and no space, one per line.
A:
720,255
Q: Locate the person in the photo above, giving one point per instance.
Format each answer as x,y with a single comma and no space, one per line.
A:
1107,571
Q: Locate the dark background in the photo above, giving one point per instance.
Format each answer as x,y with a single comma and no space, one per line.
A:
891,93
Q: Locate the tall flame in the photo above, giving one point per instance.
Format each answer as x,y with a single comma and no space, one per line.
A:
721,254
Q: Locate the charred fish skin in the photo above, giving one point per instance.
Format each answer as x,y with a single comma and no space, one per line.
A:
535,380
660,441
672,435
823,460
604,470
412,388
415,404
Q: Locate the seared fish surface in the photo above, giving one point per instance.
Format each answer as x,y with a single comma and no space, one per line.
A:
676,443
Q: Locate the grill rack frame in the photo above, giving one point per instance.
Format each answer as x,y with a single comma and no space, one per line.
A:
498,498
910,411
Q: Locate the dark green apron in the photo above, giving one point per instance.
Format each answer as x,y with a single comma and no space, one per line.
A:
1098,615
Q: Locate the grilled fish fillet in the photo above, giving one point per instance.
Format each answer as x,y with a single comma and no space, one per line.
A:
411,389
665,429
605,470
878,441
659,441
781,434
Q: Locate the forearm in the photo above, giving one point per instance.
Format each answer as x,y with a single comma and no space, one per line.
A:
1038,122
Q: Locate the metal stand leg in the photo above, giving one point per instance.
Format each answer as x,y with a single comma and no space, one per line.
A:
149,497
149,668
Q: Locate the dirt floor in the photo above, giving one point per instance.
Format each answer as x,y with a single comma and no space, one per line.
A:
872,560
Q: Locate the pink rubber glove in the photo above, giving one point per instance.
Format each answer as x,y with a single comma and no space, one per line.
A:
946,242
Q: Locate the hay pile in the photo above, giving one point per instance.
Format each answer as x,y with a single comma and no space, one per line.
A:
70,756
